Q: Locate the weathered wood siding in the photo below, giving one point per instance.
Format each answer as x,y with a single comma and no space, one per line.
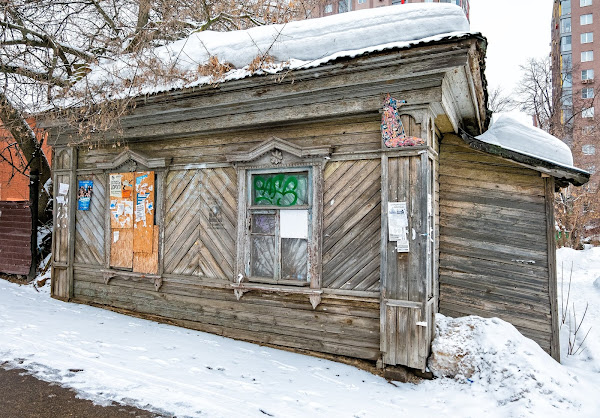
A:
493,241
338,326
352,224
199,249
89,225
200,222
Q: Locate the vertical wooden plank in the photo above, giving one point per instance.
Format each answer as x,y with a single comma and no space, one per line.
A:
72,208
147,263
384,266
142,239
316,242
242,227
121,248
552,282
161,198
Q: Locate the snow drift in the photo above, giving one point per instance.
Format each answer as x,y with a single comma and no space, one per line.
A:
491,353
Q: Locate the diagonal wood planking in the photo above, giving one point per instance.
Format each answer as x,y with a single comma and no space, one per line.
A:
193,244
89,236
352,221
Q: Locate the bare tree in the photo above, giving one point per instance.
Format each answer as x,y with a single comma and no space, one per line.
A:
47,46
498,101
557,103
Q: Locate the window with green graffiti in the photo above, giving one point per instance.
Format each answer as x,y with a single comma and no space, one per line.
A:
280,189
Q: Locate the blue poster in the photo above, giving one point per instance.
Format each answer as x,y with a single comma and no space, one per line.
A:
84,194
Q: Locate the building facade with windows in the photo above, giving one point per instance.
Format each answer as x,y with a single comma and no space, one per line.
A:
330,7
576,68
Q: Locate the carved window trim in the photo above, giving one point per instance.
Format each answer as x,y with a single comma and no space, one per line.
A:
274,156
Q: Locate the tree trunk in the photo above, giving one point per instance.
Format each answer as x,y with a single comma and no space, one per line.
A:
29,145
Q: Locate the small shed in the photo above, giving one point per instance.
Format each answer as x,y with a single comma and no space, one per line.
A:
334,205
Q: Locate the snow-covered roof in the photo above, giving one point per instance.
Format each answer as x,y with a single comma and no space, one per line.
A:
511,138
298,44
510,133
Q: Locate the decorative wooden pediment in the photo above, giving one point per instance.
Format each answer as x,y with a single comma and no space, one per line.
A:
135,159
274,149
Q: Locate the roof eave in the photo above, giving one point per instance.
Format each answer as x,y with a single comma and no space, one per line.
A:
563,175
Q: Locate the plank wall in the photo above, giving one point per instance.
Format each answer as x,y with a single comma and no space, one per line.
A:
494,249
198,250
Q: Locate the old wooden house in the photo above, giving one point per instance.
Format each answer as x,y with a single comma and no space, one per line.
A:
335,209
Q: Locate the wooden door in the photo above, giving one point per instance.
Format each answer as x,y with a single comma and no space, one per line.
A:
407,277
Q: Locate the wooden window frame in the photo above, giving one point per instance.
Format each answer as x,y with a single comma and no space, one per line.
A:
259,209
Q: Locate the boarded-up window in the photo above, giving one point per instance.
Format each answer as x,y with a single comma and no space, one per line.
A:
279,214
134,235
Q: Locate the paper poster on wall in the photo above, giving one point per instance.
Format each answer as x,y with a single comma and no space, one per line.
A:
144,197
121,202
84,194
63,188
115,185
398,225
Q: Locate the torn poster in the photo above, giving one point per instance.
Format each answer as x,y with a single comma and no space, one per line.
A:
398,225
392,129
84,194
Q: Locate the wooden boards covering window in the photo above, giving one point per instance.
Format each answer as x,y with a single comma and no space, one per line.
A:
134,237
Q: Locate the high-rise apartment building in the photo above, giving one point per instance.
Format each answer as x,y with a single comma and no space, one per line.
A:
329,7
575,70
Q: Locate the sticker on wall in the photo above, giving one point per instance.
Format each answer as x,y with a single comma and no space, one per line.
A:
84,194
392,129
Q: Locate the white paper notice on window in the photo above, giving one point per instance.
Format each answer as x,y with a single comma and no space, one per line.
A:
293,223
63,188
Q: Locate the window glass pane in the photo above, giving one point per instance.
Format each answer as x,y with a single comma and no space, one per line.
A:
587,93
565,7
587,56
587,37
343,6
565,25
264,224
587,75
588,113
567,62
586,19
294,258
583,3
565,43
281,189
263,256
567,80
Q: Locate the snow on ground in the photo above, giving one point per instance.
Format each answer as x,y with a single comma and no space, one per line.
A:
108,357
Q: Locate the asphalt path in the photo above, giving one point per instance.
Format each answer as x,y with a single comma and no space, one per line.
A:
24,396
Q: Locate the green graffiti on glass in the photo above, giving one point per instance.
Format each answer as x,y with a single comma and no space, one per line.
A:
278,190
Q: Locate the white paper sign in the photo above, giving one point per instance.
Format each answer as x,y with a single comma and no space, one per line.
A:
63,188
115,185
398,225
60,200
294,223
115,236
